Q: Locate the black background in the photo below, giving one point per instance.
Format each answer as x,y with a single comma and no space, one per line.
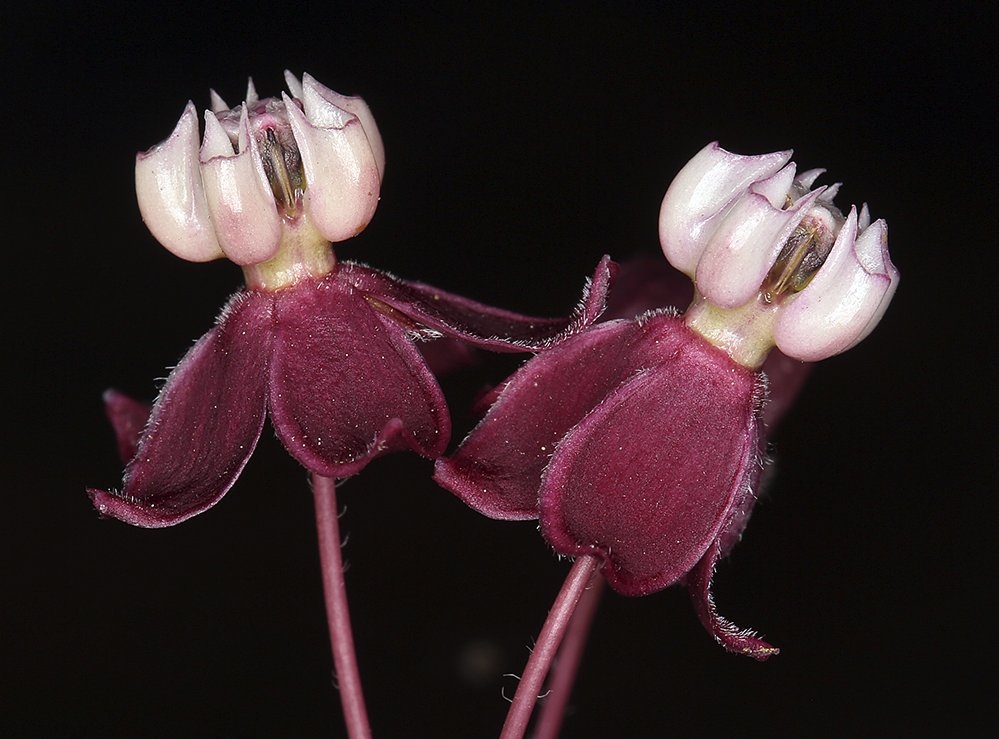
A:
522,145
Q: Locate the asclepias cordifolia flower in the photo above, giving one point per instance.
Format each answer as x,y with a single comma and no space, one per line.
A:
327,349
641,442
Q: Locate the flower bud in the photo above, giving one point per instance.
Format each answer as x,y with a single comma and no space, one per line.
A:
308,163
774,262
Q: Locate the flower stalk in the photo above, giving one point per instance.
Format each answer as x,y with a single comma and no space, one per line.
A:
348,676
583,570
565,668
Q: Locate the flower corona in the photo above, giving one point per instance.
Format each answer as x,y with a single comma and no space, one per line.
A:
273,182
773,261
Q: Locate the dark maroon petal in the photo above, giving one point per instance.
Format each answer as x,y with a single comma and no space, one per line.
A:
419,306
730,636
648,283
204,425
649,478
446,355
785,378
347,383
742,508
128,418
497,469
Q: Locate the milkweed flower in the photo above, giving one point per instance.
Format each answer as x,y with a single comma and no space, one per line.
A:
327,349
641,442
